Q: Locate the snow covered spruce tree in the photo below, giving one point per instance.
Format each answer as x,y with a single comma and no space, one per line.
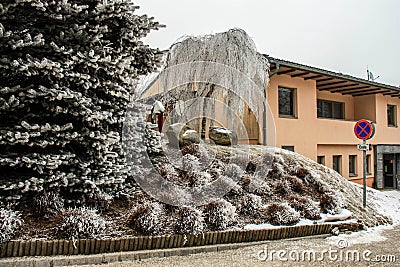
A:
67,72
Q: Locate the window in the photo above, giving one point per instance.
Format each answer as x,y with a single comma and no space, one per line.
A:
330,109
290,148
337,163
352,165
368,164
391,115
286,98
321,160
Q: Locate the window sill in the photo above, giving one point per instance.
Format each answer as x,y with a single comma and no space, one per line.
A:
287,117
331,119
393,126
353,175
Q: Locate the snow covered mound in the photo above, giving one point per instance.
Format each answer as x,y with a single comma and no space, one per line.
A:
269,188
374,214
272,187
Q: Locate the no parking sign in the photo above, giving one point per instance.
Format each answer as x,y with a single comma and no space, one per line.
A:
364,129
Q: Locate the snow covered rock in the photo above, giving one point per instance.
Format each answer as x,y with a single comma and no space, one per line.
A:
222,136
189,137
174,133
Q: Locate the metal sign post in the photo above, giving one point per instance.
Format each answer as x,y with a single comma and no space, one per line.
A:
364,130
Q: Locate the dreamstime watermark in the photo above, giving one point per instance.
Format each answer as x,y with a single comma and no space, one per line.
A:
341,253
232,82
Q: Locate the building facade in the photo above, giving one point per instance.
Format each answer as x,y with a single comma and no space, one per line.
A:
315,111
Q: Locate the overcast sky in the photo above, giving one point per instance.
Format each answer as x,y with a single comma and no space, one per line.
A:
339,35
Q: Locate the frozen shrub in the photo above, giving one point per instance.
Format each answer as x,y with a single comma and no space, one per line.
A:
169,172
233,171
277,171
307,208
149,219
10,223
282,187
197,179
331,202
278,159
190,163
220,214
190,221
251,205
82,223
217,168
245,181
251,166
321,186
263,189
296,184
301,172
192,149
282,214
227,182
47,203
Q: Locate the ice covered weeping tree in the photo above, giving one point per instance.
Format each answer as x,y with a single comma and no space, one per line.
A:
67,69
227,65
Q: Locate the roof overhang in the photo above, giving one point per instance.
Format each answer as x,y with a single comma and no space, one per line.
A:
331,81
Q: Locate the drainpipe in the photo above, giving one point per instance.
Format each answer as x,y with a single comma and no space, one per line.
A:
265,106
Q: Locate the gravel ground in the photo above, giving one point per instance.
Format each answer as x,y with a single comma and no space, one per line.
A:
381,242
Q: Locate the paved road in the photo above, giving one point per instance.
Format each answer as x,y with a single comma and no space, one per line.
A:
359,249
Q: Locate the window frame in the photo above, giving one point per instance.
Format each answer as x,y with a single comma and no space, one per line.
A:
389,124
319,161
289,148
340,163
320,115
293,102
354,173
369,161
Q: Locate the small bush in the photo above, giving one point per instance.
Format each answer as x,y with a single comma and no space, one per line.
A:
190,221
149,219
220,214
263,190
282,214
233,171
307,208
322,187
10,224
301,172
282,187
82,223
168,172
192,149
47,203
245,181
296,184
251,205
190,163
331,203
197,179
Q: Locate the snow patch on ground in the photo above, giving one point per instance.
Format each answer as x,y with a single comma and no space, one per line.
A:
388,203
344,216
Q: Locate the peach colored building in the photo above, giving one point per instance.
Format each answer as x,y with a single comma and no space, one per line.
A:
315,111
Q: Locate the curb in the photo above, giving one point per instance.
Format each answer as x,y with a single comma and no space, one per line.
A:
37,248
106,258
